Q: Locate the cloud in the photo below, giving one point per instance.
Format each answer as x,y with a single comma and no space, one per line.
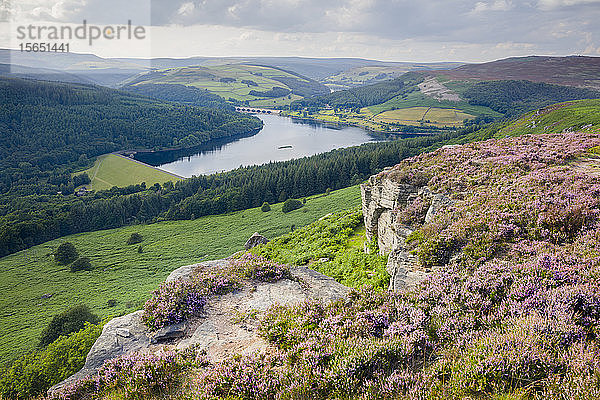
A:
554,4
498,5
454,27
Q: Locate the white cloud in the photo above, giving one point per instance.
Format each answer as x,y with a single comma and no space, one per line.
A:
186,9
554,4
392,29
497,5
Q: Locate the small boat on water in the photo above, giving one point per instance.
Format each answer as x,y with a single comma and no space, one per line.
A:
287,146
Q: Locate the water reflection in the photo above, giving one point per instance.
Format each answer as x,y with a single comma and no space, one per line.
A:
280,139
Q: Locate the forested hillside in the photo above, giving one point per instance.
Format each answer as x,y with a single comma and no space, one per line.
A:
48,126
366,95
180,93
513,98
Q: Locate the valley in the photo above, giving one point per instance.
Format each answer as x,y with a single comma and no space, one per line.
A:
450,208
123,274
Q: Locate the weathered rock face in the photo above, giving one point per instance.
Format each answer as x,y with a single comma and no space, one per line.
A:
223,330
382,199
255,240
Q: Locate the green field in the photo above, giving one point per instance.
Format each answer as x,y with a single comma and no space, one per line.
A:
235,82
418,99
123,274
429,115
114,170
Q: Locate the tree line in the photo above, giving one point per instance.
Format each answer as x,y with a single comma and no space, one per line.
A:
513,98
34,219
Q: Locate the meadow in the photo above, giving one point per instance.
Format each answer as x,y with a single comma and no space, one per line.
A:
418,99
34,285
237,81
114,170
428,115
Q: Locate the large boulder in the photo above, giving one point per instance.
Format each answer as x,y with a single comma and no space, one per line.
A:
228,325
255,240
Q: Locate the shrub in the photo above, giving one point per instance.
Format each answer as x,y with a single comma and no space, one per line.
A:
66,253
217,282
171,303
266,207
135,238
291,205
261,269
32,374
69,321
81,264
133,376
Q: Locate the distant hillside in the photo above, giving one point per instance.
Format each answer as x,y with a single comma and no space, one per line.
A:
180,93
433,100
371,74
255,85
570,71
339,73
102,71
43,74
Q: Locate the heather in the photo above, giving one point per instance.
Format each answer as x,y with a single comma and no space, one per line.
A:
511,308
133,376
177,301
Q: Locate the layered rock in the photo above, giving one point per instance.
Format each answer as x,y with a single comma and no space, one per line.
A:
382,200
228,325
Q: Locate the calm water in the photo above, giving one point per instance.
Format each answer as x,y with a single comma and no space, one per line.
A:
304,139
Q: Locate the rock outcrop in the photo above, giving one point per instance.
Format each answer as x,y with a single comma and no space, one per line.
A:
382,200
228,325
255,240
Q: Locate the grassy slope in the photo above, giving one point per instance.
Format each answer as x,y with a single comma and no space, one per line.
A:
209,78
416,115
572,115
121,273
418,99
113,170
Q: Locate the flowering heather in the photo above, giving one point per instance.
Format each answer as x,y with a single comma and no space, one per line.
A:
513,311
133,376
217,282
171,303
260,269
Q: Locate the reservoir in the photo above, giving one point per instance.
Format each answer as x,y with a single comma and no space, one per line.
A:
280,139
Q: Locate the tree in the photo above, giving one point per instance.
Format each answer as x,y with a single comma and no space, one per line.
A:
135,238
71,320
81,264
66,253
291,205
265,207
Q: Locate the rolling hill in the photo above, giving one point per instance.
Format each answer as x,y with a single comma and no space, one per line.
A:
123,274
255,85
450,98
576,71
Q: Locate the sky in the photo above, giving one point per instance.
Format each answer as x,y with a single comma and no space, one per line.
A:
393,30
